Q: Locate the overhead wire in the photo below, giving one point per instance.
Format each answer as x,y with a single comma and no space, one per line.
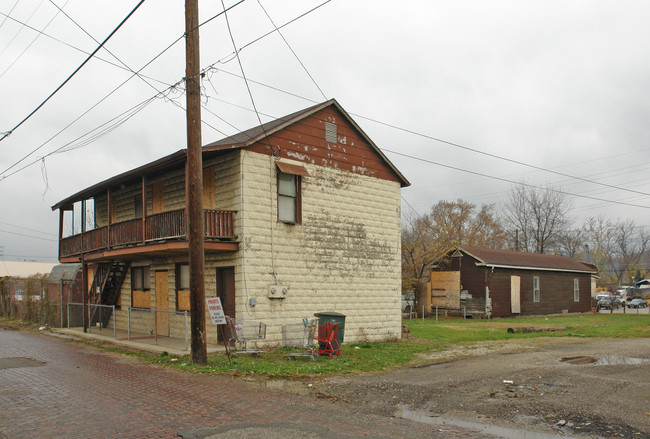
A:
292,51
8,133
10,11
85,52
2,176
21,29
539,168
32,42
512,181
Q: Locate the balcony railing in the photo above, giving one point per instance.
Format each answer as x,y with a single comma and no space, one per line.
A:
218,224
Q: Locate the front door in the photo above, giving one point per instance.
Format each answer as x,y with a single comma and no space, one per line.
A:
162,304
515,296
226,290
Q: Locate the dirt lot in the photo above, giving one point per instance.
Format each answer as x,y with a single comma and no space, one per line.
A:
595,388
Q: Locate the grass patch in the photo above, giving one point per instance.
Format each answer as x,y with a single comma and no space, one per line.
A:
426,337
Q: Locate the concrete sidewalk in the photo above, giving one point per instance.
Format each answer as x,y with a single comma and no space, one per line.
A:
139,341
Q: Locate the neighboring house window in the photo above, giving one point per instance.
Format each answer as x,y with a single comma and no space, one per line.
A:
182,287
140,289
536,289
576,290
289,198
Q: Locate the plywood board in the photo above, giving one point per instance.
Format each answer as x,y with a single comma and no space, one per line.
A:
445,289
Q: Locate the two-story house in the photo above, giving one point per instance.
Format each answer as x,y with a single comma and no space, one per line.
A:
302,215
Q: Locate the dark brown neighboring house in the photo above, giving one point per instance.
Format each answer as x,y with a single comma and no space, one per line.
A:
502,283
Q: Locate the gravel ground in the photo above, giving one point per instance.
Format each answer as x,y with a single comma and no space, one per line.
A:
594,388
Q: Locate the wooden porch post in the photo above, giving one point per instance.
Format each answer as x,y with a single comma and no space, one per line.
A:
108,217
83,223
84,291
61,210
144,211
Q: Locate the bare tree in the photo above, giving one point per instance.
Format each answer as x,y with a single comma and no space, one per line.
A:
539,215
426,238
616,247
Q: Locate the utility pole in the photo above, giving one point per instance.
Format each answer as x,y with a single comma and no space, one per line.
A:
194,183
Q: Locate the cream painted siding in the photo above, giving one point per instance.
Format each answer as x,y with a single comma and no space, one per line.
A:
344,257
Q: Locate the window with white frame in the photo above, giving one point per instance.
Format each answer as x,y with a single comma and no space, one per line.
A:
536,289
576,290
288,198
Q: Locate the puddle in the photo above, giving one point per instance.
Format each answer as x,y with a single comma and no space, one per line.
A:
14,362
504,432
579,360
612,360
608,360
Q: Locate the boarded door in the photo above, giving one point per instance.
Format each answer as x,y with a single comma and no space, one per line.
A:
158,195
515,296
162,304
445,289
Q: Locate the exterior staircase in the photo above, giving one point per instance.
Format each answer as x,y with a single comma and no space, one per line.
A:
105,290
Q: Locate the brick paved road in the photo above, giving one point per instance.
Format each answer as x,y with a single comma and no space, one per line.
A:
72,391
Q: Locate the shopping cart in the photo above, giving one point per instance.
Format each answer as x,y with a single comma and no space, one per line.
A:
241,332
301,335
327,341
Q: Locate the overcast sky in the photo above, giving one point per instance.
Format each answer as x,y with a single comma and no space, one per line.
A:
560,85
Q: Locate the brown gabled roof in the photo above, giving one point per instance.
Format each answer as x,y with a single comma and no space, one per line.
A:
240,140
255,134
525,261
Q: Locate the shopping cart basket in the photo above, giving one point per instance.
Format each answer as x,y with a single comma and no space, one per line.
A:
301,335
241,332
326,337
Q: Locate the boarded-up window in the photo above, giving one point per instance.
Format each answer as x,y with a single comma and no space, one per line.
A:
182,287
140,287
445,289
158,195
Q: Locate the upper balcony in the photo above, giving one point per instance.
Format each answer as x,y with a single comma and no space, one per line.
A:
157,234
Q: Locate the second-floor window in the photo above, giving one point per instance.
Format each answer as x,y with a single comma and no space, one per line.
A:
288,198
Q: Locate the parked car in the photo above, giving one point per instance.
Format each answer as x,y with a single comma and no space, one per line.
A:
603,295
637,303
606,303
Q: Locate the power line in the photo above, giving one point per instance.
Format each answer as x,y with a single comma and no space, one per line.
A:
26,228
99,58
32,42
452,143
292,51
20,30
28,236
109,94
512,181
5,135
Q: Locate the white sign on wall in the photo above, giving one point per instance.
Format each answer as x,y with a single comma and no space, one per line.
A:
216,310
